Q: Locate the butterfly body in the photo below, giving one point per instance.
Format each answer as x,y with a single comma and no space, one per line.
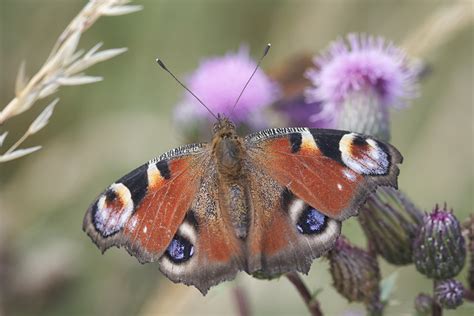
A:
266,203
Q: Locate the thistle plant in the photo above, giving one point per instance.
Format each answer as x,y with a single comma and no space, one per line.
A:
439,249
390,221
449,293
356,275
357,84
64,67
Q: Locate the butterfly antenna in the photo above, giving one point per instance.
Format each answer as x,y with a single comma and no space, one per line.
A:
162,65
265,52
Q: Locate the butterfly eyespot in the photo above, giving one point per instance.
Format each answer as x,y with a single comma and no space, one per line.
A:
110,195
180,250
311,222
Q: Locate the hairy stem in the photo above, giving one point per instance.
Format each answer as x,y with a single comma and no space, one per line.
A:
437,309
468,294
311,302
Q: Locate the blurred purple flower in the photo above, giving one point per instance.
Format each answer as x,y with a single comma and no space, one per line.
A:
368,65
298,112
219,80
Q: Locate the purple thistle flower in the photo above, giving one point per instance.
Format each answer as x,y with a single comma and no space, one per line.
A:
368,66
298,112
218,81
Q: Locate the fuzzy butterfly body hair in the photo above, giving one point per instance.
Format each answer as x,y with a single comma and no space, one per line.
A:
267,204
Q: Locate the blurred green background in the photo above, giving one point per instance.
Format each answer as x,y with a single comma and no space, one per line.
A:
99,132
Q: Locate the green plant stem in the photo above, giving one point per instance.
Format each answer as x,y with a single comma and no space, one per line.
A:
310,301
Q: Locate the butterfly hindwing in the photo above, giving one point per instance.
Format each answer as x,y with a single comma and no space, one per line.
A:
216,254
143,210
331,170
285,233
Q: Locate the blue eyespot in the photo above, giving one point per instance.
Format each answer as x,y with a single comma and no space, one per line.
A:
311,221
179,250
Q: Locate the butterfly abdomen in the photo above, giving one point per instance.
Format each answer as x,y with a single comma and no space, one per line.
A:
228,153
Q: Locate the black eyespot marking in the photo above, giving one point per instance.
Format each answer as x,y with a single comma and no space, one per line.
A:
164,169
328,143
286,199
137,183
311,221
295,141
110,195
180,250
191,219
358,140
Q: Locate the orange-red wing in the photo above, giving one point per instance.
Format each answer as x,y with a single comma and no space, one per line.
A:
276,242
143,210
331,170
215,253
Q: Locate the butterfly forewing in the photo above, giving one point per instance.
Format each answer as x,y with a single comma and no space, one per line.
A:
331,170
143,210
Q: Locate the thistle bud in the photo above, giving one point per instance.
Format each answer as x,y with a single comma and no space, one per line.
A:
390,221
356,274
449,293
424,304
438,250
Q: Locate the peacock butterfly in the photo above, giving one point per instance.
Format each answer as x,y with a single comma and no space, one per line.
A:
266,203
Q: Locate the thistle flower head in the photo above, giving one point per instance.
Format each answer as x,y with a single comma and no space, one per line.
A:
368,63
356,274
449,293
218,82
390,221
438,250
369,67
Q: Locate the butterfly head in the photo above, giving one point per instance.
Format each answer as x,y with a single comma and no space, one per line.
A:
223,127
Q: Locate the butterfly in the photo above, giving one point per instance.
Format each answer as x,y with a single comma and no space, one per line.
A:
267,203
